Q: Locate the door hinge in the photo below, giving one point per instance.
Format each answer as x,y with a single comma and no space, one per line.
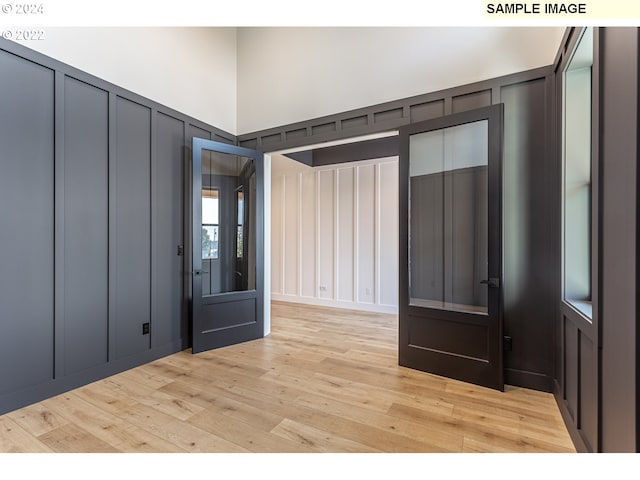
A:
507,344
180,250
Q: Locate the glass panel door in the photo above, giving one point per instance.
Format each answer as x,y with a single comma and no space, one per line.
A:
450,297
227,241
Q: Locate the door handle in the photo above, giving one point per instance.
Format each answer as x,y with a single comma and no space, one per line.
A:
491,282
197,273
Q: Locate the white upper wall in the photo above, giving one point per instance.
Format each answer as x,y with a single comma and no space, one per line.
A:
291,74
247,79
192,70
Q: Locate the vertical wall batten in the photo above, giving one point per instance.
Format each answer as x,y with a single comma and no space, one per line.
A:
283,237
59,259
316,176
153,223
378,233
336,235
112,228
356,235
299,239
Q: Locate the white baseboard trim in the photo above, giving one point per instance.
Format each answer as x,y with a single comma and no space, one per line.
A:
321,302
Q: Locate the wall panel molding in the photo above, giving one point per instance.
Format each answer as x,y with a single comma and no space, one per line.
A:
384,116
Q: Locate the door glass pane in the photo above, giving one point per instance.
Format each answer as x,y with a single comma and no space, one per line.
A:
228,205
448,218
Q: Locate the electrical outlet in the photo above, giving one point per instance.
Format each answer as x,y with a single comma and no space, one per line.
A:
145,328
323,288
367,292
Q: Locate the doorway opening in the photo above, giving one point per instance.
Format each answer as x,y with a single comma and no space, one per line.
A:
333,217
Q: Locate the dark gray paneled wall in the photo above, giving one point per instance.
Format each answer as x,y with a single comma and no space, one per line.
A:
92,188
576,356
530,177
619,54
597,374
26,223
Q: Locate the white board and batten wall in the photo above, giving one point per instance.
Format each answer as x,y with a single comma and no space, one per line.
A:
334,234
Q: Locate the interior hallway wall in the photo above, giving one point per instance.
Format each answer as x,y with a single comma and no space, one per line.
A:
334,234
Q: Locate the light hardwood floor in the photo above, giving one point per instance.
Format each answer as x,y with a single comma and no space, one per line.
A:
325,380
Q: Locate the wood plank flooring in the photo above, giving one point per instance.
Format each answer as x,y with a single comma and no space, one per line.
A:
325,380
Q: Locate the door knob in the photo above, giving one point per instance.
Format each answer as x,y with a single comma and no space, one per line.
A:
491,282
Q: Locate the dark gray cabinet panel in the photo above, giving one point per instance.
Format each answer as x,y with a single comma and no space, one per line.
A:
168,175
132,250
26,223
86,216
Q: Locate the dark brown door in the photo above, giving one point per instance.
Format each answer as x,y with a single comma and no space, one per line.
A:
451,246
227,245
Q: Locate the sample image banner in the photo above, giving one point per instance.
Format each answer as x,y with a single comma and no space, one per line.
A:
27,18
584,10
